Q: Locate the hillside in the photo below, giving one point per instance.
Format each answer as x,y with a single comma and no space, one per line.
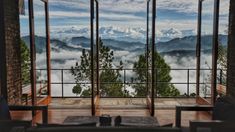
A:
178,46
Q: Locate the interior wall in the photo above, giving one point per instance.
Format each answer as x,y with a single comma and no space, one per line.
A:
2,50
10,51
231,53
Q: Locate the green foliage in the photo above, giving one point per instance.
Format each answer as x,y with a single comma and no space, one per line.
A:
110,82
86,92
169,90
113,89
163,75
222,57
192,95
25,63
77,89
222,64
222,61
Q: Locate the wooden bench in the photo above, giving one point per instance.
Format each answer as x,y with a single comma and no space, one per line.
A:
179,109
26,92
43,109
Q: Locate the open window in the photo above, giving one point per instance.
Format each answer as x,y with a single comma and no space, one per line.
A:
98,85
208,38
36,87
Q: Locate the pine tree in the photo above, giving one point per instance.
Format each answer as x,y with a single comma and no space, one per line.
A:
163,75
110,82
222,61
25,63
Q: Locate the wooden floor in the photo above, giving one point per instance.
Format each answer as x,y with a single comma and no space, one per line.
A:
164,116
60,108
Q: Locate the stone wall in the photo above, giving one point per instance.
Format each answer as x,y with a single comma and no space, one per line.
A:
12,50
231,53
1,43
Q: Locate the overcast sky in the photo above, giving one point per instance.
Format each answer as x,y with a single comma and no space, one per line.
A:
178,14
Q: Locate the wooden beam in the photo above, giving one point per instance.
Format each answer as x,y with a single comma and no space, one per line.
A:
147,50
92,55
3,64
32,53
215,51
231,53
198,47
153,57
48,49
97,50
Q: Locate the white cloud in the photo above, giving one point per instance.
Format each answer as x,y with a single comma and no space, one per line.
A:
185,6
185,63
124,6
191,6
124,13
81,4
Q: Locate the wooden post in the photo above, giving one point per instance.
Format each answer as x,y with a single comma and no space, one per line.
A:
231,54
215,51
147,50
97,49
3,64
153,58
32,54
48,49
198,47
92,56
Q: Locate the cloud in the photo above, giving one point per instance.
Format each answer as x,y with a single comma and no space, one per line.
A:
184,63
71,57
67,57
183,6
71,4
191,6
123,6
66,14
127,13
178,76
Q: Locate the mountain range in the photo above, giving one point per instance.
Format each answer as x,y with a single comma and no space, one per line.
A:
182,46
56,45
78,43
128,34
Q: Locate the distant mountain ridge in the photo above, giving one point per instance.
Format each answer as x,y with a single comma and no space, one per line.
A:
113,44
128,34
56,45
174,46
177,44
189,43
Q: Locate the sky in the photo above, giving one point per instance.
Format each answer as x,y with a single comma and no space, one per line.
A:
180,15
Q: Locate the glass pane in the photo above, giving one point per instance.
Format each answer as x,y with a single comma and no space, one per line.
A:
25,49
40,44
150,49
124,38
223,44
95,50
206,49
70,36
